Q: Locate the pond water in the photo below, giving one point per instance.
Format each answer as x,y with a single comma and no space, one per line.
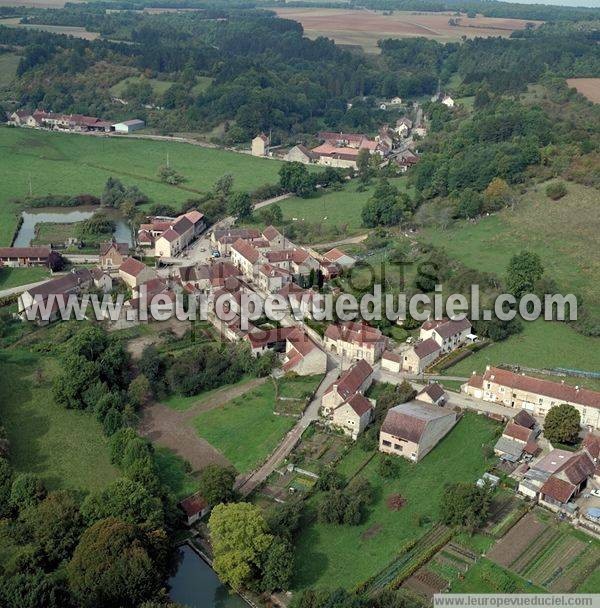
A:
197,586
26,233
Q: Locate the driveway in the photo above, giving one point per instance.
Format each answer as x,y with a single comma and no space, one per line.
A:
246,485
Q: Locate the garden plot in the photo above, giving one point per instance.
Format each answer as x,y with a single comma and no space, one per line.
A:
426,583
519,538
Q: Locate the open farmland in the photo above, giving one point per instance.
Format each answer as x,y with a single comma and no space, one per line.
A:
158,86
589,87
59,163
332,556
364,27
77,32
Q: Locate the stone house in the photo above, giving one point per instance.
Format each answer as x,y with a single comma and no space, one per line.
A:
112,254
354,415
245,257
356,379
391,362
433,393
354,340
534,395
260,145
448,333
303,356
271,279
134,273
300,154
420,356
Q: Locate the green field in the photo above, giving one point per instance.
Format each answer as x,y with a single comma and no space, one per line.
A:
202,83
66,448
343,556
563,233
541,344
71,164
245,429
340,208
158,86
13,277
8,67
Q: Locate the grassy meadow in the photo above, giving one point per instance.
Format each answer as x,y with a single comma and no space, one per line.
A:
66,448
158,86
342,556
563,233
60,163
246,429
13,277
8,67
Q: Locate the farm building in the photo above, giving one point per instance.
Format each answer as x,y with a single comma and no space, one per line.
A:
414,428
129,126
19,257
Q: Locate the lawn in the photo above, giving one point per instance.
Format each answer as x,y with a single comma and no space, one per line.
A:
65,447
343,556
61,163
541,344
340,208
298,387
245,429
13,277
563,233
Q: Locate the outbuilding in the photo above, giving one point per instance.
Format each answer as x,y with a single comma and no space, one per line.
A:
128,126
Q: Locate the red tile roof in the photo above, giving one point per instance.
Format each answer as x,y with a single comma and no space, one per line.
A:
193,505
476,381
261,338
409,420
246,250
132,267
447,328
592,443
351,380
554,390
170,235
360,404
520,433
426,348
355,333
271,233
122,248
388,355
558,489
434,390
524,418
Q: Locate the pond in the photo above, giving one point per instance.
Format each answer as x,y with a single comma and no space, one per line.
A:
197,586
26,232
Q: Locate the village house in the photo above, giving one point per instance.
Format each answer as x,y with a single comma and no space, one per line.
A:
405,160
535,395
195,507
341,149
298,261
339,258
403,126
300,154
171,235
356,379
353,416
262,340
555,479
391,362
245,257
420,356
300,300
58,122
515,441
433,393
448,333
196,277
355,340
443,98
260,145
113,254
53,291
275,239
102,279
134,273
223,239
271,279
223,274
303,356
414,428
21,257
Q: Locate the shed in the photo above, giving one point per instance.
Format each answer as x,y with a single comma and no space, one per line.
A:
128,126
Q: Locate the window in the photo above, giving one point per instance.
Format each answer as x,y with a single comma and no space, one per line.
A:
397,447
386,443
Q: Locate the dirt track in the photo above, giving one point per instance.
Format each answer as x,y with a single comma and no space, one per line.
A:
174,429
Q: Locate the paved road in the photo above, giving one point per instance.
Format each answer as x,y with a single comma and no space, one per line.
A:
459,399
248,484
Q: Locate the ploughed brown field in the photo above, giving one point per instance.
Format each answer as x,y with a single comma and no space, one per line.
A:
589,87
365,27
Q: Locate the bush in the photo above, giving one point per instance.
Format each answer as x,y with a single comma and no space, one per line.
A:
556,190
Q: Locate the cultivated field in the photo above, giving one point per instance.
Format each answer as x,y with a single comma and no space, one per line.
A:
71,164
66,448
343,556
364,27
77,32
551,555
590,87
